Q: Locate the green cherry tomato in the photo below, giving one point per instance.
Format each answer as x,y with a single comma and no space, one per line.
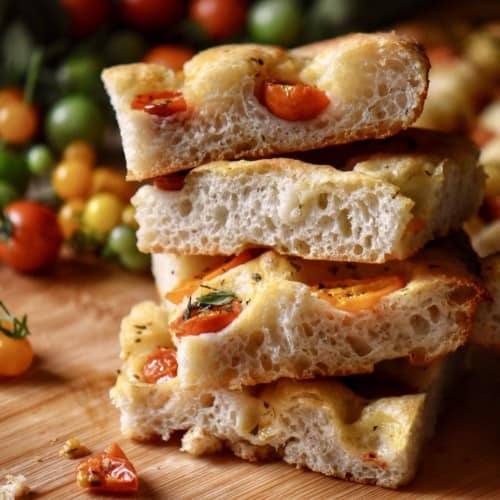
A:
277,22
74,117
80,74
8,194
135,261
122,240
13,169
124,47
40,159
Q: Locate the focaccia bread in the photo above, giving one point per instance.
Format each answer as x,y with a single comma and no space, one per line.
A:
269,317
370,85
385,201
322,425
486,330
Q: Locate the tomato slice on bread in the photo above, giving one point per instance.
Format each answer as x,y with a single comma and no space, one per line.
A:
163,103
160,365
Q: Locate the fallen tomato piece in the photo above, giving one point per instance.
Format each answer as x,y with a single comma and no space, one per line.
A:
293,101
108,472
162,364
188,286
353,295
205,319
163,103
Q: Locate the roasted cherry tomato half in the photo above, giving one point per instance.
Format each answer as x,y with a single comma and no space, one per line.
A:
31,236
186,287
171,182
108,472
198,320
353,295
293,101
164,103
160,365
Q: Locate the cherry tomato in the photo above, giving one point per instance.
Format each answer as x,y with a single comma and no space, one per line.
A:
87,16
219,18
276,22
188,286
109,180
171,182
9,94
80,151
150,14
171,56
293,102
33,237
16,355
80,74
206,319
102,213
72,179
75,117
40,159
122,239
135,261
124,47
490,209
128,217
108,472
164,103
69,217
160,365
13,169
356,294
18,121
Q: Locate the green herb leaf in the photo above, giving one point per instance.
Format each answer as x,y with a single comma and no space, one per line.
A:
217,298
17,328
256,277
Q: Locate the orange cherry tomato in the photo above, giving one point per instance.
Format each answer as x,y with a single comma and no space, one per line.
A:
198,320
150,14
293,101
171,56
188,286
87,16
160,365
31,237
171,182
18,121
353,295
8,94
108,472
16,355
490,209
164,103
219,18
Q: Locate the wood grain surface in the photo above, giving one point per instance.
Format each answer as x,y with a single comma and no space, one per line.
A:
74,314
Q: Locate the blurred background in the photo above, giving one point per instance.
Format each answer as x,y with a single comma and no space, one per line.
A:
59,143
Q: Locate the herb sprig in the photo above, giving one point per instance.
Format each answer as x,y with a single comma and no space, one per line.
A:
215,298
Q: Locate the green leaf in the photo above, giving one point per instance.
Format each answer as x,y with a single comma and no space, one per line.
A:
217,298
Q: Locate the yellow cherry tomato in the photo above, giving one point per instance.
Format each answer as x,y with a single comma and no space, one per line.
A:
69,217
16,356
109,180
18,121
72,179
80,151
128,217
102,213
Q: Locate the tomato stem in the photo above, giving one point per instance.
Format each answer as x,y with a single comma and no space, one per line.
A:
6,228
16,328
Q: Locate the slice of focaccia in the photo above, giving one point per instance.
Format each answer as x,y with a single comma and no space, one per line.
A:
257,319
486,331
387,199
323,425
250,101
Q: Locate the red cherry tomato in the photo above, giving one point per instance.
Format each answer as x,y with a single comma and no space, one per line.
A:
108,472
293,101
219,18
32,237
162,364
150,14
87,16
165,103
171,56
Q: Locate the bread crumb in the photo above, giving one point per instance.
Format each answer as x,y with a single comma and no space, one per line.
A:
72,448
15,487
198,442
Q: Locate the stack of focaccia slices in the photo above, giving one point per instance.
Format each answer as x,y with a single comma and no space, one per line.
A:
284,279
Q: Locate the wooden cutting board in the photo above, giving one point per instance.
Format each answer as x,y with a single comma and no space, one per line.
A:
74,314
